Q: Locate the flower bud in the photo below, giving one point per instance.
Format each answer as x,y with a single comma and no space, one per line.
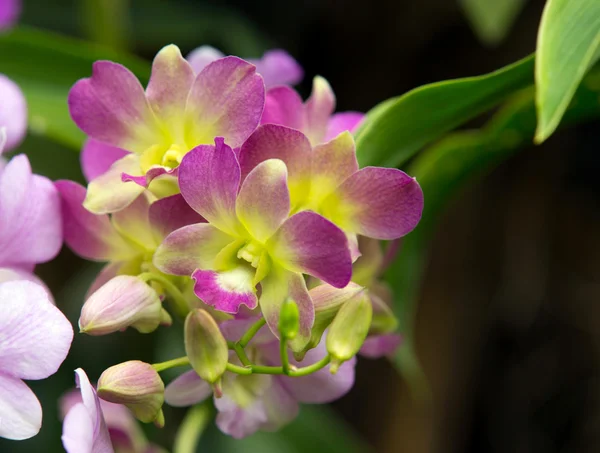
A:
136,385
205,346
289,320
124,301
349,329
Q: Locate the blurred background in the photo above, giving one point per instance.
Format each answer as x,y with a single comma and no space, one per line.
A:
507,328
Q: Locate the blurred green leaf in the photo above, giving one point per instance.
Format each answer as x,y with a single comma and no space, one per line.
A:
399,127
491,20
46,66
568,45
446,168
191,428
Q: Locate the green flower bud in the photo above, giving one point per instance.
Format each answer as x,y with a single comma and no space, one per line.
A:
136,385
289,320
205,346
349,329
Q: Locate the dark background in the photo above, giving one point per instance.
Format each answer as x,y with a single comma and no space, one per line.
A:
508,322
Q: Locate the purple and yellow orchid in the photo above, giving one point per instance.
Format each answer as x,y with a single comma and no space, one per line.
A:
249,239
156,128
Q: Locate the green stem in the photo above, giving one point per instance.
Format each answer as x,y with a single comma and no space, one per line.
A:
285,360
311,368
259,369
181,361
253,330
191,429
238,369
239,350
180,305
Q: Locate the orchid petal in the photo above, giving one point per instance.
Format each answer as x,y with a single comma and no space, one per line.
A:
281,407
264,199
134,225
170,213
29,319
277,67
226,100
97,158
90,236
311,244
187,390
344,121
29,215
189,248
382,203
108,193
78,430
277,287
239,422
283,106
368,267
202,56
111,106
13,110
209,177
107,273
380,345
226,290
170,83
319,107
9,13
20,410
8,274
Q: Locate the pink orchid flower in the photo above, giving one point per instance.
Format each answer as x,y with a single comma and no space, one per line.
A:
10,10
13,111
156,128
250,239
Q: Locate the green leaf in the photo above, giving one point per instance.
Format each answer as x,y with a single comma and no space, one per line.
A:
568,45
191,428
446,168
396,129
46,66
491,20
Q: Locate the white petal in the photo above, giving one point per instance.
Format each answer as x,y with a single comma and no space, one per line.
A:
78,430
20,410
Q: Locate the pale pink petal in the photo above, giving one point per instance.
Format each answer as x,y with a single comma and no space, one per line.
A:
344,121
226,290
187,390
30,223
311,244
90,236
226,100
171,213
13,108
319,107
380,345
78,430
97,157
283,106
209,177
264,199
29,319
189,248
20,410
202,56
240,422
382,203
8,274
107,273
281,407
277,67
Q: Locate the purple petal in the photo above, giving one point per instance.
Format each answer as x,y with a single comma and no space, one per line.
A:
281,407
202,56
277,67
187,390
311,244
8,274
171,213
13,109
226,290
30,223
209,177
78,430
111,106
380,345
29,319
344,121
226,100
90,236
240,422
169,87
97,158
382,203
319,107
189,248
278,286
20,410
10,10
264,199
332,163
283,106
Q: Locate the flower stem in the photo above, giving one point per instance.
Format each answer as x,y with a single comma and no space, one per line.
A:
253,330
180,305
260,369
241,353
304,371
285,360
181,361
238,369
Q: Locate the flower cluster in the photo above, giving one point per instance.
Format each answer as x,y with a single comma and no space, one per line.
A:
217,196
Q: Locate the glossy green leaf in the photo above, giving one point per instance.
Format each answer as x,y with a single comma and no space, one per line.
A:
396,129
568,45
46,66
491,20
446,168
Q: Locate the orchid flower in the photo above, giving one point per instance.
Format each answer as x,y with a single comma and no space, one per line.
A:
315,118
277,67
382,203
28,319
262,402
156,128
9,13
250,239
13,111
